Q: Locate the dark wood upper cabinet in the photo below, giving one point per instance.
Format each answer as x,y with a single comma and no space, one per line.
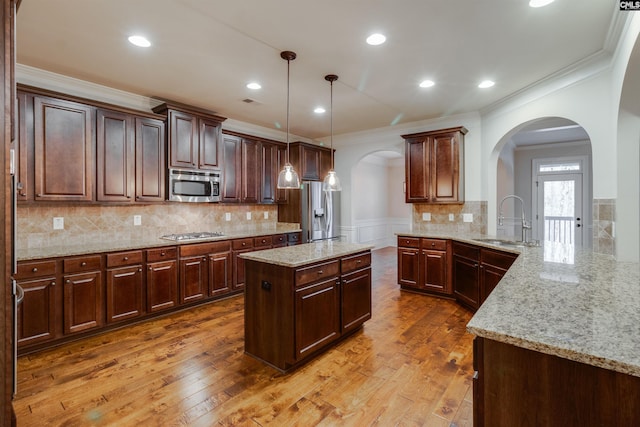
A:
434,166
312,162
193,136
231,168
63,150
150,160
116,156
250,178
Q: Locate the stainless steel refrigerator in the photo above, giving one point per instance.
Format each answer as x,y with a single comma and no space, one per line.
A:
320,212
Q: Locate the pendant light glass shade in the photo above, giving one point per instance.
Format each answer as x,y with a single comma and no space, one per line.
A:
331,181
288,178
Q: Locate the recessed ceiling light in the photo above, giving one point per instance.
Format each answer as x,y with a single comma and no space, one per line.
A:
427,83
319,110
139,41
539,3
254,86
376,39
486,84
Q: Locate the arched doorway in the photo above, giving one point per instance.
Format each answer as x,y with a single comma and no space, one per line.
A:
546,164
377,198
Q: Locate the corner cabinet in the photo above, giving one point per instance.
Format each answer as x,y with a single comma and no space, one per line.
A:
434,166
423,265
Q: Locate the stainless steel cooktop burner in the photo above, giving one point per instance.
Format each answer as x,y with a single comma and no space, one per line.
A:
193,236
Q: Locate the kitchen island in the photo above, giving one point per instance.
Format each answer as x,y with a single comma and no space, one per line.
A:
301,300
558,340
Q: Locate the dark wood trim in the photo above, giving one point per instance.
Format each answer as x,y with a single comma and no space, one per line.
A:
172,105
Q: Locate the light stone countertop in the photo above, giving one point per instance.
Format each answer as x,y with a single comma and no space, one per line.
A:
308,253
141,243
580,306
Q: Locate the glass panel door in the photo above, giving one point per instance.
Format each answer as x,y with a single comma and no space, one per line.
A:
559,216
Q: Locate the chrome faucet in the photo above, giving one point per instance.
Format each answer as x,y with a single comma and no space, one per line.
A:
525,225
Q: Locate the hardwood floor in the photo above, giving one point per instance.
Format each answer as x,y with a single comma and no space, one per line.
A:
411,365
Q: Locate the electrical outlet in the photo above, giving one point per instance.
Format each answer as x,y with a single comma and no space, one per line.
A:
266,215
137,220
248,216
227,216
451,217
426,216
467,217
58,223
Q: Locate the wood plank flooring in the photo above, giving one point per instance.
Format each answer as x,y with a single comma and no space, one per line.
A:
411,365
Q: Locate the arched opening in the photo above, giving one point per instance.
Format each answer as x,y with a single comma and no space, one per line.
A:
378,207
544,183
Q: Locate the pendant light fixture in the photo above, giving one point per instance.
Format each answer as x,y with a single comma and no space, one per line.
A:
331,181
288,177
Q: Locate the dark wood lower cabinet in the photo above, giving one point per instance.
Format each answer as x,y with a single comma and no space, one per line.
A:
125,298
37,312
194,278
312,303
220,277
161,279
356,299
83,302
519,387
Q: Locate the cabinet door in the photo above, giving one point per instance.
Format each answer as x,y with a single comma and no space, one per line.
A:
310,164
231,169
444,168
162,285
24,144
489,278
124,293
408,267
466,276
317,316
220,274
268,172
83,302
150,164
63,150
37,312
183,140
356,299
325,163
193,279
238,269
115,160
416,170
209,140
434,271
281,194
250,171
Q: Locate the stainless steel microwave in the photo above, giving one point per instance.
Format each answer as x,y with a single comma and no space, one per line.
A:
194,186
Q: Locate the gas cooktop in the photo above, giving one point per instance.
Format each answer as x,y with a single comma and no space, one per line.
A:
193,236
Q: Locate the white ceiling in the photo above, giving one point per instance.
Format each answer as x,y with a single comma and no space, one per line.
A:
204,52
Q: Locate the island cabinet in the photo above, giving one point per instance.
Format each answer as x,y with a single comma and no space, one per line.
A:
514,386
294,312
193,136
423,265
434,166
162,279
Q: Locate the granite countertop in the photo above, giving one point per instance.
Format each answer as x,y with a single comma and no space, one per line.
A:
573,304
296,256
141,243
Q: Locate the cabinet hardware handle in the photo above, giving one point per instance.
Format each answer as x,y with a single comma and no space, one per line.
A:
244,244
162,254
150,268
68,281
475,265
320,271
23,194
140,270
53,283
39,195
126,258
433,244
475,375
35,269
83,264
204,258
358,261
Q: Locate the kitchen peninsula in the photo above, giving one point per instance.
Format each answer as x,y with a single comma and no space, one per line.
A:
300,300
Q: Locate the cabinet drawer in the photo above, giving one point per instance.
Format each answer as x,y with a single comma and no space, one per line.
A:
279,239
317,272
262,242
162,254
497,258
435,244
124,258
80,264
409,242
294,238
355,262
239,244
466,251
27,270
204,248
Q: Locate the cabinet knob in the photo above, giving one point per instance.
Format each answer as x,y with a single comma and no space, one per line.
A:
140,270
358,261
23,194
433,244
244,244
35,269
68,281
150,268
204,258
83,264
320,271
53,283
162,254
126,258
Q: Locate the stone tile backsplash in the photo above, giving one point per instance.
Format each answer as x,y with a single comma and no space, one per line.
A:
86,224
440,222
604,214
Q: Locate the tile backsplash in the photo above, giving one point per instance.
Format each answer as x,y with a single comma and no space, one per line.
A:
86,224
440,222
604,214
